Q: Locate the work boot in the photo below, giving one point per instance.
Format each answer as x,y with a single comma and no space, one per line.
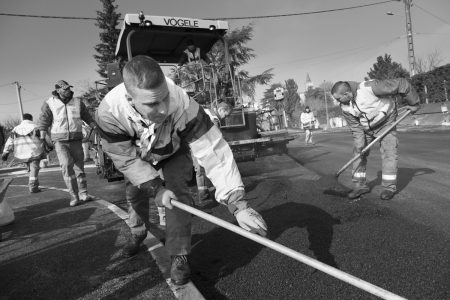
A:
180,272
387,195
74,202
86,198
133,245
358,192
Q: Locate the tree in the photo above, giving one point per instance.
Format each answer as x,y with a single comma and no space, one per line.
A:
431,62
239,55
385,68
107,21
291,97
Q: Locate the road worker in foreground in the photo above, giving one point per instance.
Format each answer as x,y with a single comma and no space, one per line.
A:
150,109
369,109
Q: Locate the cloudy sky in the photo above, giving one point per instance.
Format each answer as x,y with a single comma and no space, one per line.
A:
330,46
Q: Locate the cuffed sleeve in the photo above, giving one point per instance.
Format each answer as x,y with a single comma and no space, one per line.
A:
398,86
212,153
46,117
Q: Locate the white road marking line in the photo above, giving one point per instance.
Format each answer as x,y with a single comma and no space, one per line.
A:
185,292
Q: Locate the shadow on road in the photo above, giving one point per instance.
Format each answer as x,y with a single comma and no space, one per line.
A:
404,177
220,252
56,252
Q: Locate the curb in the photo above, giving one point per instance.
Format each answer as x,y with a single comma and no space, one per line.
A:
156,249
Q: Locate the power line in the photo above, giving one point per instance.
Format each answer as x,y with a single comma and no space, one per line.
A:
431,14
216,18
302,13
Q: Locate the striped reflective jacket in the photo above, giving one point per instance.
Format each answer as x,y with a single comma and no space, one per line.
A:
373,104
24,141
135,144
64,118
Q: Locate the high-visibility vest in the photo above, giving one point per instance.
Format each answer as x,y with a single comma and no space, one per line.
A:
193,56
27,145
67,124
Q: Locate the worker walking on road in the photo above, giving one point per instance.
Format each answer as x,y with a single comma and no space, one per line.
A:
368,110
64,115
24,141
308,120
151,109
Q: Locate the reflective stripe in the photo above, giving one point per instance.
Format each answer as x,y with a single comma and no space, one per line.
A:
202,188
389,177
360,175
32,178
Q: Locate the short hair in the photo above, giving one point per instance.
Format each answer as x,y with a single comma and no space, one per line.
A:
142,72
340,84
28,117
307,107
190,42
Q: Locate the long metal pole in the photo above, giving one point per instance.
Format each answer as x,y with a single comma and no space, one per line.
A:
355,281
372,143
19,99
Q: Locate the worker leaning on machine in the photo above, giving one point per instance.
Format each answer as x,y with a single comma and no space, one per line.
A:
369,109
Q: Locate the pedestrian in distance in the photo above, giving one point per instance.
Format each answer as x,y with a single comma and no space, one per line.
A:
308,120
64,115
150,110
24,141
369,109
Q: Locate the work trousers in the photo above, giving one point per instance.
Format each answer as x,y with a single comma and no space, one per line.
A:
86,153
33,181
389,156
71,160
308,136
177,171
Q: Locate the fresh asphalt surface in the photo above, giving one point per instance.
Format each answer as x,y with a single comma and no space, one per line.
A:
57,252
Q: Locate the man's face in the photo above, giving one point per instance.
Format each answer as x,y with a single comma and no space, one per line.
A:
343,95
154,109
191,47
307,110
65,93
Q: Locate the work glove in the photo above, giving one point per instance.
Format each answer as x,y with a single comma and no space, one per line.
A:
163,198
5,156
251,220
412,108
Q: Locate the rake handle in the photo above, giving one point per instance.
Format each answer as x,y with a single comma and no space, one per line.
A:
372,143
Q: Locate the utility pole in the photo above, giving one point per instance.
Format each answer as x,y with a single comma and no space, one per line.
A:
19,98
409,38
326,105
445,90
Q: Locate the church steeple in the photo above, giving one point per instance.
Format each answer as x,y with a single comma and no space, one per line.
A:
308,84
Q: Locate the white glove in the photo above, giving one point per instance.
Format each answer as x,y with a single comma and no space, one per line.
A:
251,221
163,198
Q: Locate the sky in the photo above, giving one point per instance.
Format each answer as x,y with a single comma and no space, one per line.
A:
342,45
